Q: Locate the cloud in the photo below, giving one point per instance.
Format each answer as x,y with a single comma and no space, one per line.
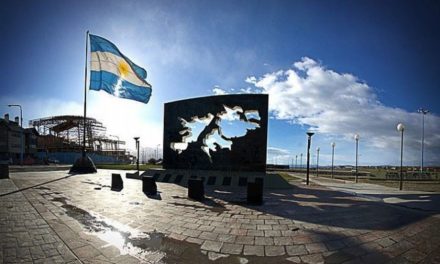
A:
218,91
277,151
340,105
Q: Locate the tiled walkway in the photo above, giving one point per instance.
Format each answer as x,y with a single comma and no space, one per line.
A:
87,222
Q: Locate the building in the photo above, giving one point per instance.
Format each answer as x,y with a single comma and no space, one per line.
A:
10,139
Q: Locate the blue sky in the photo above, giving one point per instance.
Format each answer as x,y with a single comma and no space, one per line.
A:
357,67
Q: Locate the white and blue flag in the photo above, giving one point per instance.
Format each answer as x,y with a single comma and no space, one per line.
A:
116,74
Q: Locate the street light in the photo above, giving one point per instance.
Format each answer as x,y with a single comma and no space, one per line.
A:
317,161
309,141
423,112
22,132
157,152
401,128
296,161
333,155
137,147
356,137
301,161
117,143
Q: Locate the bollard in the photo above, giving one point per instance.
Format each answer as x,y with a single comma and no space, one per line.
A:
149,186
255,192
196,190
4,171
117,183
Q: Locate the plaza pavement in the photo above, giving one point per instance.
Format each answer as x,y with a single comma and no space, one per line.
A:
53,217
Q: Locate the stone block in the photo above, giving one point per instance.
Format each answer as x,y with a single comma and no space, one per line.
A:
196,189
117,183
149,186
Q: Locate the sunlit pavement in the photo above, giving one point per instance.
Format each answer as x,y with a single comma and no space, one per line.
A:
419,200
78,219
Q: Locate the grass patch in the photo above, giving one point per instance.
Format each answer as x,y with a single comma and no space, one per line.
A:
288,177
142,167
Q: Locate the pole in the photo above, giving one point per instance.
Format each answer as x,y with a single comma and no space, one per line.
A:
333,158
309,140
296,161
401,162
137,161
85,96
423,112
22,136
423,139
356,171
301,161
317,163
308,160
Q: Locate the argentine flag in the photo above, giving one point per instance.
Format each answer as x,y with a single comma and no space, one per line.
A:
116,74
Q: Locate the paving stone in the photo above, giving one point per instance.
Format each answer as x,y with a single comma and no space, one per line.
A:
274,251
414,255
264,241
296,250
316,248
208,235
264,227
272,233
294,259
195,240
209,245
334,245
313,258
246,240
253,250
282,241
386,242
230,248
226,238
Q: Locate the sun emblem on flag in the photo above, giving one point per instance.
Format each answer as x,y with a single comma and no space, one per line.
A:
123,68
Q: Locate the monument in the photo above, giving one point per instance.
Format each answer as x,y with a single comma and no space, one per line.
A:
224,132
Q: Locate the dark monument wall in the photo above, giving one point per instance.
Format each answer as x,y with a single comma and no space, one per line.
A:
248,153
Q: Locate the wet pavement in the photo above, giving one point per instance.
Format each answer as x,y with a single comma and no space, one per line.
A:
56,218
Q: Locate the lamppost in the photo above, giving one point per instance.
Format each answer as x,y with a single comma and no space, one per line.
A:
317,161
423,112
401,128
157,152
356,137
22,132
137,147
333,155
117,143
301,161
309,141
296,161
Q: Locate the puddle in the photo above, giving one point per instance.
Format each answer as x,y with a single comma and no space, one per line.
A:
153,247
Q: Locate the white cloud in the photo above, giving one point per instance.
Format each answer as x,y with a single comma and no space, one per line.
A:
340,105
218,91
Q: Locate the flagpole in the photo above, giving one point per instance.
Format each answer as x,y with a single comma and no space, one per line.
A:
85,97
84,164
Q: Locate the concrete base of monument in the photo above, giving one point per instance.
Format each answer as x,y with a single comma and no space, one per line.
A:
83,165
216,178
